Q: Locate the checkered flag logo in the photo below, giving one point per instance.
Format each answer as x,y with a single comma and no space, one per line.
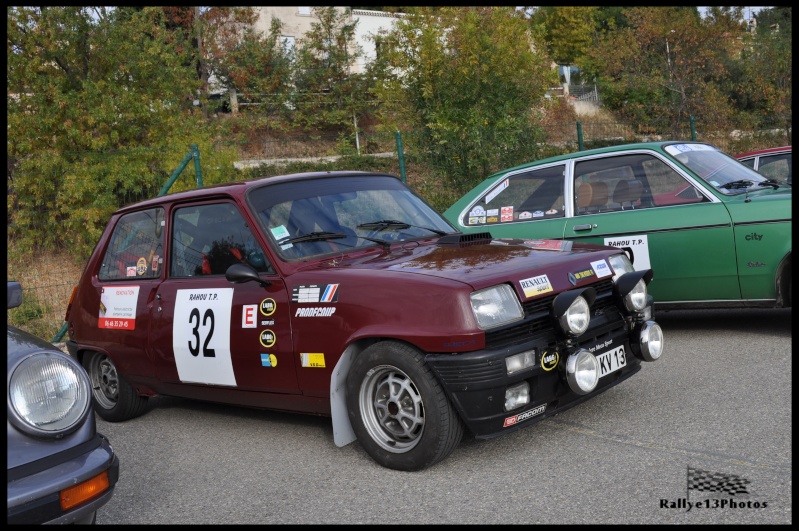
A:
713,482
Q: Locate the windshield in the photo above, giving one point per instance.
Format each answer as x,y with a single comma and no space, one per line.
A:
311,217
728,175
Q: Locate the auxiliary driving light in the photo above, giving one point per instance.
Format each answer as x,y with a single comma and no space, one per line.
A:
519,362
517,396
582,372
572,309
651,341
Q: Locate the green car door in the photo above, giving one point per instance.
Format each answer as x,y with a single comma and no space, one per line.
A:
666,221
689,247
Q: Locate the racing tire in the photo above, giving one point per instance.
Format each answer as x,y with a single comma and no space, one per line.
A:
398,410
114,399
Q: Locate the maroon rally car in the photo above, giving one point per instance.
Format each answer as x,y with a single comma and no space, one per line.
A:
344,294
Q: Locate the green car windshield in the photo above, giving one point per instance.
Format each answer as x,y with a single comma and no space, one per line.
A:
723,172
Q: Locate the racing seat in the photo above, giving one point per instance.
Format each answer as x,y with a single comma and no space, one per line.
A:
216,241
591,197
627,193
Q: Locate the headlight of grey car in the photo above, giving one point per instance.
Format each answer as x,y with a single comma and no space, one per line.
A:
48,395
496,306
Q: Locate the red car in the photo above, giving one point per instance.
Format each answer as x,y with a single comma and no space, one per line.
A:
344,294
774,163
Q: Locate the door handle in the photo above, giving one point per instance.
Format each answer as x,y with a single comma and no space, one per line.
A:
587,226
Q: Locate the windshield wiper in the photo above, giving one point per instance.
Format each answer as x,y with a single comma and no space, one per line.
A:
735,185
312,237
387,224
317,236
769,182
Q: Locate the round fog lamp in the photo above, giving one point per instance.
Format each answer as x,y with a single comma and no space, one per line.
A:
635,301
575,320
582,372
651,339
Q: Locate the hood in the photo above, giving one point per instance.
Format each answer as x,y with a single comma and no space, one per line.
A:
761,206
483,262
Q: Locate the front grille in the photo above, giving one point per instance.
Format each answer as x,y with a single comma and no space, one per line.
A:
538,322
469,373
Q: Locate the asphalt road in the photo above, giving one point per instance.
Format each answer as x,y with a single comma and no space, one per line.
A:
718,401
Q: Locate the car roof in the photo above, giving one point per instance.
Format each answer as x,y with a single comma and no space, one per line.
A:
237,188
657,146
763,152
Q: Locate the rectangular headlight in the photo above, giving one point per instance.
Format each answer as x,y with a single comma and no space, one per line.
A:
496,306
519,362
620,264
517,396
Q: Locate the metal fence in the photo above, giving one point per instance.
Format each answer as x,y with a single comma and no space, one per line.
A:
48,275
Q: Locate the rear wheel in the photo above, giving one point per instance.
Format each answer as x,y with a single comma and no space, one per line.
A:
113,398
398,410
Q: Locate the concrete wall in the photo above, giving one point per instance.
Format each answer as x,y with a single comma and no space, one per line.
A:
370,24
296,25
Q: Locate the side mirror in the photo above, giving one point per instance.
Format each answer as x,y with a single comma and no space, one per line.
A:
240,273
14,295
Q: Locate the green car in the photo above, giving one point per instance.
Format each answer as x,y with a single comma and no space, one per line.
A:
716,233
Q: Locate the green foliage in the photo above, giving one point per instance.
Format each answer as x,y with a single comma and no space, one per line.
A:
31,316
470,82
669,64
327,94
765,81
98,83
568,30
258,66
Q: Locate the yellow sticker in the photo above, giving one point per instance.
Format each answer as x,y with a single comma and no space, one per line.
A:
141,266
313,359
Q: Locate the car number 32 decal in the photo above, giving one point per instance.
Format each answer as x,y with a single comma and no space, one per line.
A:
201,336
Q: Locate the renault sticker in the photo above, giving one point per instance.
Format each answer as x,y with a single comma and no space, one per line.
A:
535,286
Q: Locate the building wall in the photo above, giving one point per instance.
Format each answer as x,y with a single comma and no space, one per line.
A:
370,24
296,24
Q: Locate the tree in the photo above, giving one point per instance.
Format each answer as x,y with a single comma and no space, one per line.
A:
568,31
470,83
669,65
765,87
109,81
258,66
327,93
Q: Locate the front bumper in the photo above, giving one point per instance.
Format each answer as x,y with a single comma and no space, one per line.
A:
34,493
476,382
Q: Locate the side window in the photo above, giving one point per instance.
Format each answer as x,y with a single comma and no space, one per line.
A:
749,162
598,186
207,239
776,167
136,247
532,195
668,187
629,182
